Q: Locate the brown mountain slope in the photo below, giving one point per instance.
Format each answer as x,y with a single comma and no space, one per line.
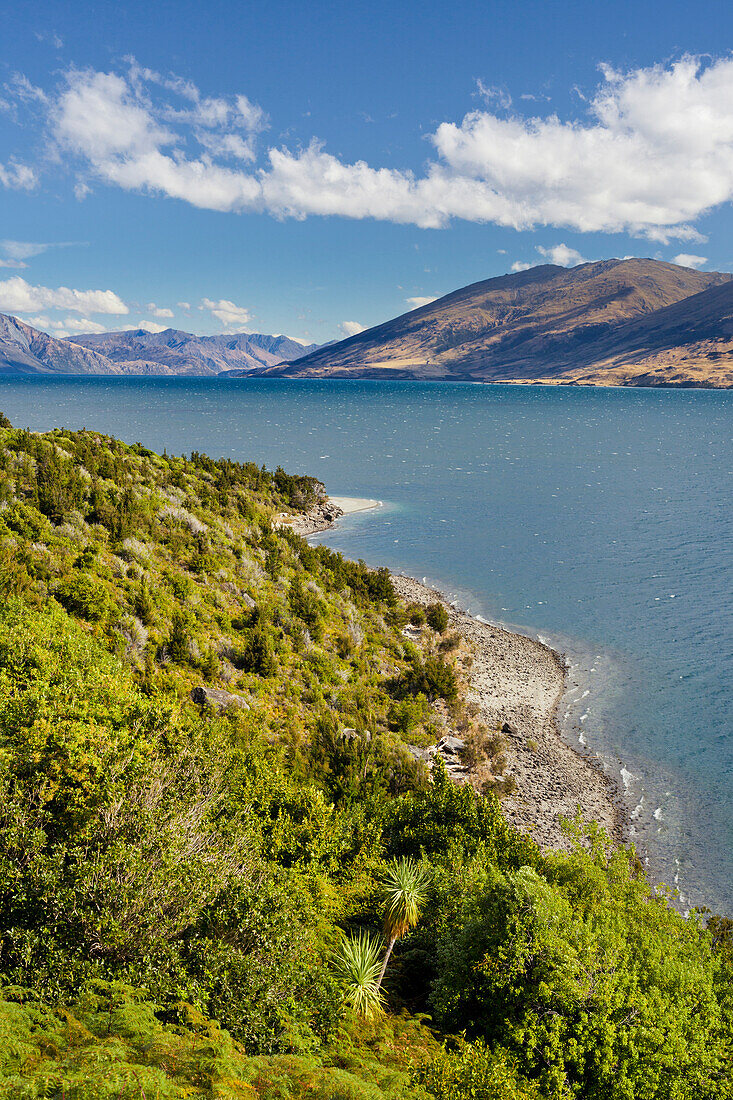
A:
687,343
545,324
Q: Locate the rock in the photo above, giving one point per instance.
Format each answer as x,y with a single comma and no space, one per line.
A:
217,698
450,746
248,602
448,749
350,734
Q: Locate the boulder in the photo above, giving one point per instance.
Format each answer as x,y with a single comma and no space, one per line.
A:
217,698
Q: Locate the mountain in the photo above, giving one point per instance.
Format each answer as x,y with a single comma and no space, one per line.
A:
25,350
612,322
176,352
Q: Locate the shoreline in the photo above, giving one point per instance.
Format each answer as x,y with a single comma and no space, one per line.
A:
518,682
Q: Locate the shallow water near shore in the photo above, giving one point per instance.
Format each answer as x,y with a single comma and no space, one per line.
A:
598,519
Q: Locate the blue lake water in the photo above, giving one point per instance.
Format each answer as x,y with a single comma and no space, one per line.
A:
599,519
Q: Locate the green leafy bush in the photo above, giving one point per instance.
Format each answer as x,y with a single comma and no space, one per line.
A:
474,1072
437,617
83,595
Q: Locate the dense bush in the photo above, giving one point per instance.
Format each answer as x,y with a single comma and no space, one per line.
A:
437,617
83,595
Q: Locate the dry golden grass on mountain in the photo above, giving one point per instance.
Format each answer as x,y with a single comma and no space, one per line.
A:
615,322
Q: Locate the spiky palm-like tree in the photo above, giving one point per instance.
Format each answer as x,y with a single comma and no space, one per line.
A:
357,966
405,890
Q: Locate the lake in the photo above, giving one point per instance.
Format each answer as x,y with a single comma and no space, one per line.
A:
598,519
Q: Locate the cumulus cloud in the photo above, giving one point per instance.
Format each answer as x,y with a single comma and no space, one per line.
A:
234,318
650,151
150,326
18,296
684,259
69,326
519,265
417,302
562,255
351,328
157,311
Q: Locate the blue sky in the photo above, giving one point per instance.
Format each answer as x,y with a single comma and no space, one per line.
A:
312,168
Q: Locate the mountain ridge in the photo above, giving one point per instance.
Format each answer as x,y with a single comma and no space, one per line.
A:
546,324
28,350
174,351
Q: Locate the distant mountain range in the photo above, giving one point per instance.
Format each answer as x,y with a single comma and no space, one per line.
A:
26,350
176,352
615,322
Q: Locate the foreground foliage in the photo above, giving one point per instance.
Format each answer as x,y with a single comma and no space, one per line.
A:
193,887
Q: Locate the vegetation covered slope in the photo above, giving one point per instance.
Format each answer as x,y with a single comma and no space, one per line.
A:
180,877
545,324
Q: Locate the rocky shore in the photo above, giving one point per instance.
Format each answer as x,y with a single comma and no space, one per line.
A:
517,683
319,518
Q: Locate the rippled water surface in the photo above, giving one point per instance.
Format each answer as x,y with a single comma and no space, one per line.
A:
599,519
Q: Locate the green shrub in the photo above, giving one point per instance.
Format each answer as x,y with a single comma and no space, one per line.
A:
84,595
417,614
474,1072
434,678
177,643
256,655
437,617
405,715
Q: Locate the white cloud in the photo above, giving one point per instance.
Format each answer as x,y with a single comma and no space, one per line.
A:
234,318
651,151
518,265
562,255
684,259
157,311
77,325
185,306
149,326
18,177
67,327
18,296
417,302
351,328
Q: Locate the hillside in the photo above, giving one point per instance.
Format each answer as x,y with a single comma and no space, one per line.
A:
215,831
547,324
687,343
177,352
26,350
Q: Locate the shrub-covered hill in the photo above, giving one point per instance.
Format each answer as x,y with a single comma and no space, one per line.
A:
193,890
177,567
